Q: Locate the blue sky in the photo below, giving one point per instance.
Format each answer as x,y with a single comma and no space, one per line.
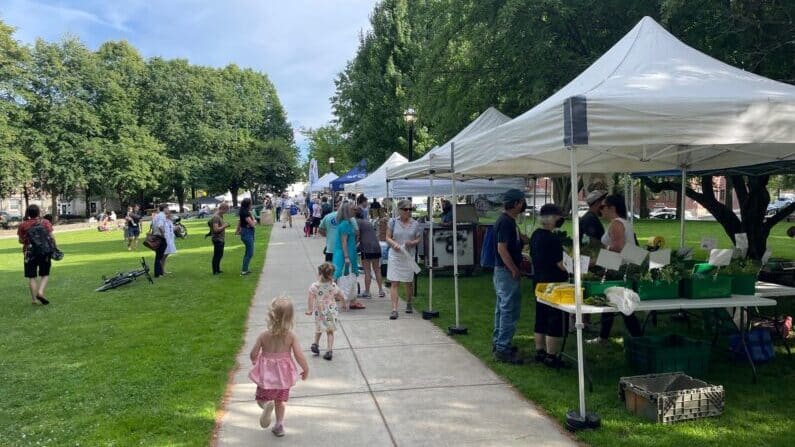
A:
300,44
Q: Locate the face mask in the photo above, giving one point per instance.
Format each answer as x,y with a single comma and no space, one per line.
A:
559,222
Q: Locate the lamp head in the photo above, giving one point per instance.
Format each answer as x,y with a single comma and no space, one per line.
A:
410,115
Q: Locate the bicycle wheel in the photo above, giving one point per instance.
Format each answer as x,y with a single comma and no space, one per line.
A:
113,283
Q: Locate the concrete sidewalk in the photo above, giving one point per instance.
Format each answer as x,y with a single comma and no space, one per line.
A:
391,383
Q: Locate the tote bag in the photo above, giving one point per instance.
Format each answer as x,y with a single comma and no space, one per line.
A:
347,283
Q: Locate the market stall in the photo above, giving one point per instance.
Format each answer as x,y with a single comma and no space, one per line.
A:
357,173
323,183
650,103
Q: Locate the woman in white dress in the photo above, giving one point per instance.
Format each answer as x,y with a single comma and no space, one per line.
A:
171,246
403,236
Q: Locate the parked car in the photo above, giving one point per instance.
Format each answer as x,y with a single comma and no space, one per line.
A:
664,215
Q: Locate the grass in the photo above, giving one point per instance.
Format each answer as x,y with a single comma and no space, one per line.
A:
755,414
139,365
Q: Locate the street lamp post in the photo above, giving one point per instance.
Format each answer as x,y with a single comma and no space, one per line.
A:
410,116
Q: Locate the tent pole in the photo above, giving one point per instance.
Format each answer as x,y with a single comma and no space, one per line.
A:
535,183
631,200
682,201
430,313
457,329
576,420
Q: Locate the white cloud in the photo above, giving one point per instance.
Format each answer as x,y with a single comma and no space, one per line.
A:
300,44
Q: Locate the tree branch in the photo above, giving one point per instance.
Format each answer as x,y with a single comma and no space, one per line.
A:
779,216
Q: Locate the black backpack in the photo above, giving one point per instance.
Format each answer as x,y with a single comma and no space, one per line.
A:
39,241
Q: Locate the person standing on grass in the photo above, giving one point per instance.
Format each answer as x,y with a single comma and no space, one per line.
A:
132,228
619,233
322,304
38,245
218,228
245,228
403,236
158,229
507,277
546,252
274,369
346,259
590,224
171,246
371,253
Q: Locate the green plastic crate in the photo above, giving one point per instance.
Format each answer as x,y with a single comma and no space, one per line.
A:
593,288
657,290
743,284
707,286
667,353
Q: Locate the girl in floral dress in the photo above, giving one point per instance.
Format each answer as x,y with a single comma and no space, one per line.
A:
274,370
322,304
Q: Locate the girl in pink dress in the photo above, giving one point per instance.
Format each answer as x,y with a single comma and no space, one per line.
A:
274,370
322,303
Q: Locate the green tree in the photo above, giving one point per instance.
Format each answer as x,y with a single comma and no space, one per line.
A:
324,143
15,169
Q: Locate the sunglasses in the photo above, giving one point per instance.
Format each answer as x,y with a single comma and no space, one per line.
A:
405,209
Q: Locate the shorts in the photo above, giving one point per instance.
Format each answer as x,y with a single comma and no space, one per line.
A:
371,255
315,222
275,395
38,266
132,232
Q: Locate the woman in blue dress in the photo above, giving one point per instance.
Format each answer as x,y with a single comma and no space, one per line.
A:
345,255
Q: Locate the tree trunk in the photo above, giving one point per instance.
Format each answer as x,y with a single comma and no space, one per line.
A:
26,195
88,199
644,202
234,196
54,200
181,199
561,193
193,193
753,197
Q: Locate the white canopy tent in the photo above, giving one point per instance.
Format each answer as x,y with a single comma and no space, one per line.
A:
443,188
374,185
323,182
649,103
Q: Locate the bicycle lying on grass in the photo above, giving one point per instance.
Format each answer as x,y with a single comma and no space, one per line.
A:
124,278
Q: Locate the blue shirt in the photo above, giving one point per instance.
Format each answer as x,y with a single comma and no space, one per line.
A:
330,224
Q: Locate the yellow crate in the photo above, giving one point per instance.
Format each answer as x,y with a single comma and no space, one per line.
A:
558,296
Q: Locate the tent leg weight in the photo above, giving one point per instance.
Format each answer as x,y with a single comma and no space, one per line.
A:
457,330
428,314
574,422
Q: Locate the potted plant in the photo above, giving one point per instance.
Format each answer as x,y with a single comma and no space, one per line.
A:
743,273
659,284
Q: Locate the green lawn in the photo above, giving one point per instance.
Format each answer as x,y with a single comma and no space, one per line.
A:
755,414
139,365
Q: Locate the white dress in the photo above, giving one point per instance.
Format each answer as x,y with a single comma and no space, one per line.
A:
398,269
171,247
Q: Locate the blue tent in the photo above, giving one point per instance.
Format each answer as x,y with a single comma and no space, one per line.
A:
357,173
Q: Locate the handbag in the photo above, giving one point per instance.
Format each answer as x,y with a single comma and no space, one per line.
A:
347,283
152,242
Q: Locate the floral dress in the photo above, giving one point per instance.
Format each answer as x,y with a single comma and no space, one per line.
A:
325,295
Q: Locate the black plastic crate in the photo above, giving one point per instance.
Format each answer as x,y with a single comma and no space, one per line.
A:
671,397
667,353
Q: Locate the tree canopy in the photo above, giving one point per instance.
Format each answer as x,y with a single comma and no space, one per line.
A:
110,122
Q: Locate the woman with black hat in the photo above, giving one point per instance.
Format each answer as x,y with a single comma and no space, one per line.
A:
546,252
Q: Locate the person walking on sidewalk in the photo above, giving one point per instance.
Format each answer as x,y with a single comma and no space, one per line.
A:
346,258
507,277
274,369
371,253
287,211
403,236
38,246
218,228
245,228
322,304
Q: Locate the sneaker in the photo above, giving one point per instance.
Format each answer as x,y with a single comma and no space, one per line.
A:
278,430
514,349
598,341
540,356
393,315
507,357
365,295
246,272
381,294
327,355
409,309
267,411
554,361
315,349
42,300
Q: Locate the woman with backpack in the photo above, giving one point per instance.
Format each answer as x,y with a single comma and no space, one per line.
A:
38,246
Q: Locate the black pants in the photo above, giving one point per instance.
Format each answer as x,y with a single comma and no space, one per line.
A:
631,322
218,253
159,254
278,212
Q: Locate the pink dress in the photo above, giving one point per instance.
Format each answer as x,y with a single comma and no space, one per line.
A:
274,373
